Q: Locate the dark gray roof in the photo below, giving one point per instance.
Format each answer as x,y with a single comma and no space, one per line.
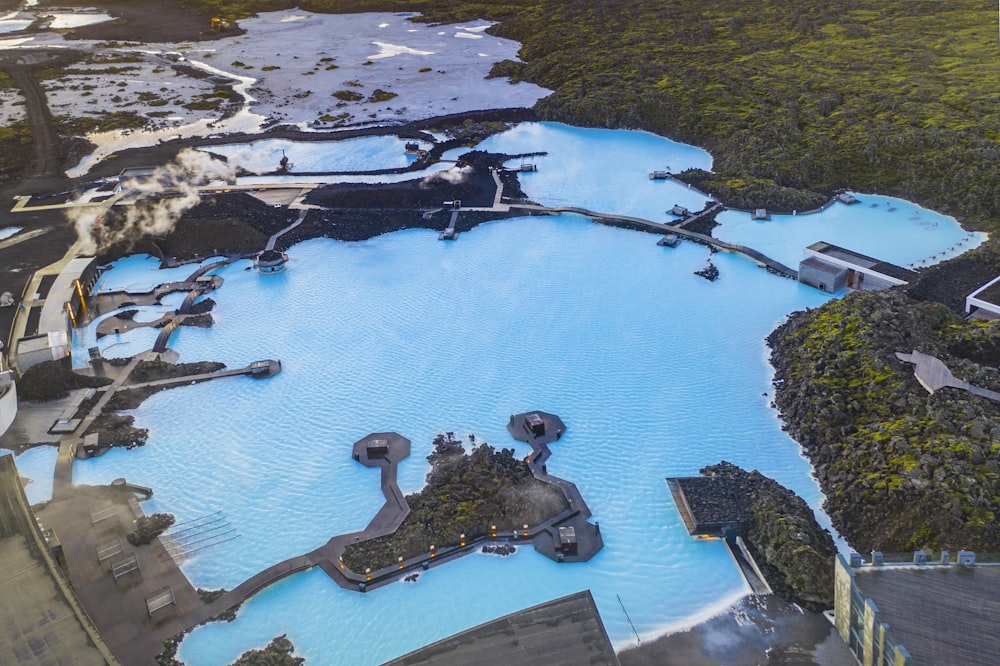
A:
991,294
863,260
714,499
822,266
941,615
563,632
892,270
40,624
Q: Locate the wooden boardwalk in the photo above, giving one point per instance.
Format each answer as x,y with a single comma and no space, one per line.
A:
195,379
278,234
544,537
658,227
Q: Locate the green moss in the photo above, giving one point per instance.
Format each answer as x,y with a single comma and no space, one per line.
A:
380,95
348,96
888,455
793,99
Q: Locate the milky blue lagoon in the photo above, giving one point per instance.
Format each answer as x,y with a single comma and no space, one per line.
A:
361,154
657,372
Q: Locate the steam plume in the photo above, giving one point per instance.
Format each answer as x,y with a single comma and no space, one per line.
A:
178,181
453,176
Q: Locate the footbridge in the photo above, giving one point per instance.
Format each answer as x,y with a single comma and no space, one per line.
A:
659,227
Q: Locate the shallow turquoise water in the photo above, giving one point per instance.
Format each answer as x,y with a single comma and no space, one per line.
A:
37,464
656,372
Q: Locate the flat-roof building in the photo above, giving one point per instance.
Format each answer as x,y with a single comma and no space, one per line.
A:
910,614
830,268
984,302
43,622
562,632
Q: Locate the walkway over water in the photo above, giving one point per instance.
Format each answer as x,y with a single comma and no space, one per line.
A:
659,227
545,537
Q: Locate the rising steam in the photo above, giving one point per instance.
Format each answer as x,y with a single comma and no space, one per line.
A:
178,182
453,176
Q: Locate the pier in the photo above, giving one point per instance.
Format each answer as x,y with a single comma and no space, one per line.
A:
711,208
256,370
450,233
197,285
539,429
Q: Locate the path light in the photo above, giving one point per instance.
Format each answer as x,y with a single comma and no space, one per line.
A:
493,530
526,529
341,561
462,539
368,573
432,550
400,560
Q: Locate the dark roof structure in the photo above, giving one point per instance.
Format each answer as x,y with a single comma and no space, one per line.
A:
710,505
819,265
563,632
862,260
942,615
42,621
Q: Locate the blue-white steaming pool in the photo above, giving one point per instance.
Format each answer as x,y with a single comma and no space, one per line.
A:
656,372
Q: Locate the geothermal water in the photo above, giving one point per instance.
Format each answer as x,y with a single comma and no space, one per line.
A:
656,372
362,154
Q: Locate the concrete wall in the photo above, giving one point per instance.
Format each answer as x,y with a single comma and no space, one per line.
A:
971,301
828,278
871,655
874,633
843,582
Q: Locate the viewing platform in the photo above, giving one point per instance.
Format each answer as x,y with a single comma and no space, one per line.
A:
270,261
569,537
934,375
670,240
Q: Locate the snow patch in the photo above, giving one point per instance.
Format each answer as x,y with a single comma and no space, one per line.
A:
390,50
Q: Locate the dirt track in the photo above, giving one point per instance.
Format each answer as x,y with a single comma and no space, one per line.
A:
148,21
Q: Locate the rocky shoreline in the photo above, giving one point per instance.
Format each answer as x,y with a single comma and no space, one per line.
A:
901,469
794,553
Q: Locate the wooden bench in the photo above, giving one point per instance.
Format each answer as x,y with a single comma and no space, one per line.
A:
159,599
103,514
110,548
125,565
